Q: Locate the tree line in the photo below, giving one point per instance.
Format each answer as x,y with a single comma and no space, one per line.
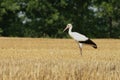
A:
48,18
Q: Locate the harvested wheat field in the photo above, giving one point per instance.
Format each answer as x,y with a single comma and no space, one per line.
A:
58,59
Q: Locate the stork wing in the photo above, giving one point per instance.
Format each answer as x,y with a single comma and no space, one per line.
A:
82,39
90,42
78,37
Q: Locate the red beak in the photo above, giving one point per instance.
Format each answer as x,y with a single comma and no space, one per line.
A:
65,29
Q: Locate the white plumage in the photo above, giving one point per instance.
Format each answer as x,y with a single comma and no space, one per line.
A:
79,38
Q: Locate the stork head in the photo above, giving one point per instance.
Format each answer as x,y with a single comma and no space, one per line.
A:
67,27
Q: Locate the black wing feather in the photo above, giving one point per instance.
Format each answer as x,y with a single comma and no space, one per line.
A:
90,42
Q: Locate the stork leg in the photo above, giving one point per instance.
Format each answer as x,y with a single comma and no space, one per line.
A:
80,50
80,47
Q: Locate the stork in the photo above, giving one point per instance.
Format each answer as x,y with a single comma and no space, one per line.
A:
79,38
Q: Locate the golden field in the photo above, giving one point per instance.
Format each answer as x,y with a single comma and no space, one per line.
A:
58,59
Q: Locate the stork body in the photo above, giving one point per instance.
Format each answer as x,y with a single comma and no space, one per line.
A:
79,38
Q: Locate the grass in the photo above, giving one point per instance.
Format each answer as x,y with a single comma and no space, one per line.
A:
58,59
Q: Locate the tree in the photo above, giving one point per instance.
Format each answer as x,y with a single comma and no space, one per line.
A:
47,18
108,10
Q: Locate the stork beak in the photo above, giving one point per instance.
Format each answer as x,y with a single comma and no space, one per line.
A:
65,29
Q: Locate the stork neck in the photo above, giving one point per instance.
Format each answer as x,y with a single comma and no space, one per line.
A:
70,30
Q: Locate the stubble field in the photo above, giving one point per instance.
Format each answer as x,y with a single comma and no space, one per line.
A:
58,59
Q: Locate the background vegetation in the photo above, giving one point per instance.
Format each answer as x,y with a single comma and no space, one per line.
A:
48,18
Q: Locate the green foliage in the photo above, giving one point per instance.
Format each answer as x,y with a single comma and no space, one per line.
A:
1,31
48,18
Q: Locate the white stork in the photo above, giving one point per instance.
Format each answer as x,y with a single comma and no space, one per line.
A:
79,38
